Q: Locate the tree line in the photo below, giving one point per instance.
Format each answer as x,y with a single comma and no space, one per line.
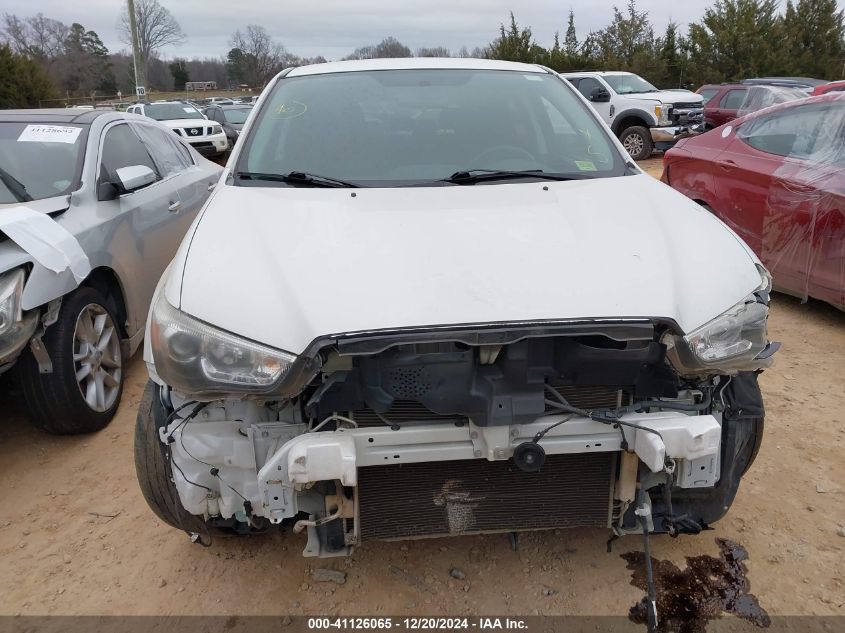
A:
42,58
734,39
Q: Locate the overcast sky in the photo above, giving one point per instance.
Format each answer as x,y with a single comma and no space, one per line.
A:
333,28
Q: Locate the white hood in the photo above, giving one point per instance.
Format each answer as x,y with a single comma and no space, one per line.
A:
180,123
668,97
284,265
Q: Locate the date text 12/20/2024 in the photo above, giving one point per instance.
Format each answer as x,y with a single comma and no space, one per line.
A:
417,624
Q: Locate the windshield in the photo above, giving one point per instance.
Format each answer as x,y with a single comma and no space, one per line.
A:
167,111
39,161
236,115
406,127
628,84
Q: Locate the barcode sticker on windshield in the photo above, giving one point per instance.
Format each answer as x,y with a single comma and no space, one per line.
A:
49,134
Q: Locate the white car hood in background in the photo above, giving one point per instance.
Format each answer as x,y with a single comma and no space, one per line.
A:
180,123
668,96
284,265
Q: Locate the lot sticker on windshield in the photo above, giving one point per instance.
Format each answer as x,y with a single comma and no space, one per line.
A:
585,165
49,243
49,134
533,77
290,109
189,110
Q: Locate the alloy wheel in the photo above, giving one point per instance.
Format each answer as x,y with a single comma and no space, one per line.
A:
633,143
97,357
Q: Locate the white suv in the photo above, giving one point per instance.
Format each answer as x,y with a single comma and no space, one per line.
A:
207,137
432,297
643,117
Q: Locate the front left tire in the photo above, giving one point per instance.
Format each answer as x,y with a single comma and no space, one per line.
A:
82,393
153,469
637,142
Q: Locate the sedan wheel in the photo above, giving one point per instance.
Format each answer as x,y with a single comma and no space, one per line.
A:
81,391
96,357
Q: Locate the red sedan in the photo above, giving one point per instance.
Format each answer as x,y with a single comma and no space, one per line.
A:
777,178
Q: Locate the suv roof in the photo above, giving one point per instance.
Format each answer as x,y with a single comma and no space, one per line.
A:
598,72
412,63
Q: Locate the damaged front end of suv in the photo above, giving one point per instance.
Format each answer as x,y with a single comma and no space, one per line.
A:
357,354
445,431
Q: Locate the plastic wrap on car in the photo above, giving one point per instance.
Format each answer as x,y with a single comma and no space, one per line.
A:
760,97
801,239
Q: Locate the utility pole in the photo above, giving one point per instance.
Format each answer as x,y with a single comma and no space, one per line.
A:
137,62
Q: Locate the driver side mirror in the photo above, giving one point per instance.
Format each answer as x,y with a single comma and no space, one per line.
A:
599,95
134,177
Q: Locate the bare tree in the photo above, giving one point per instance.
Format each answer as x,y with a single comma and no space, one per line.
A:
37,37
157,28
388,47
436,51
258,56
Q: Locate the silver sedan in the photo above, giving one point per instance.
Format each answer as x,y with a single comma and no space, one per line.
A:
93,205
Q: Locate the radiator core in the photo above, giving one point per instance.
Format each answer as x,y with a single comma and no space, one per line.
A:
478,496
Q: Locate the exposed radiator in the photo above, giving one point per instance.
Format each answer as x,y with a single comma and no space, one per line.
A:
404,411
475,496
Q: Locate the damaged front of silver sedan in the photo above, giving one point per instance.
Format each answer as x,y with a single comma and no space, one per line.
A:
479,317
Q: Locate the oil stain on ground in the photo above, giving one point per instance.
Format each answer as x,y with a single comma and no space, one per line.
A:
687,599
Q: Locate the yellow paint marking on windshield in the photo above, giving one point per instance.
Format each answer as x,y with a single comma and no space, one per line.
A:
290,109
599,156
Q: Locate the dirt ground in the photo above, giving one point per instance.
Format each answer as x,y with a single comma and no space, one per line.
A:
76,537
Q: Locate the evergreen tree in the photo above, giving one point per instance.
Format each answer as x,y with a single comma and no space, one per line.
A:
814,39
180,74
85,66
515,44
23,83
628,43
736,39
555,57
673,58
570,42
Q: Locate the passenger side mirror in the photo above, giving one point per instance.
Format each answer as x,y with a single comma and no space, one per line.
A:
134,177
599,95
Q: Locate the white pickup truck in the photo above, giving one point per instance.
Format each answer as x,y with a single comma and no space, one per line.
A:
643,117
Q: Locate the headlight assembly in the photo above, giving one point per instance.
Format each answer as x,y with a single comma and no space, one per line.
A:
738,333
217,130
201,361
11,288
663,113
16,328
736,340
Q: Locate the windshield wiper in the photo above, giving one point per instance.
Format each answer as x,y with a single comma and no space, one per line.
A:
15,186
472,176
296,178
